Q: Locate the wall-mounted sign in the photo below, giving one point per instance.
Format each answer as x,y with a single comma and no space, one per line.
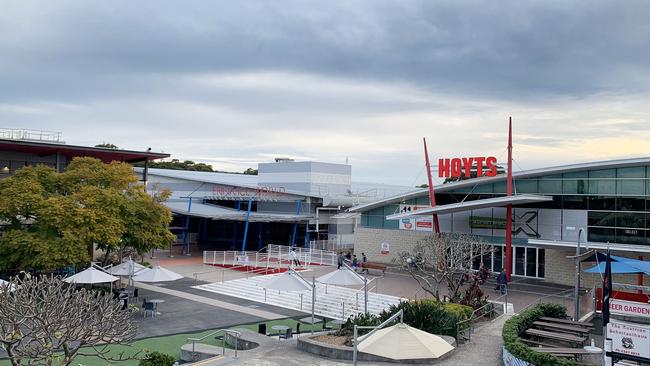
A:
629,339
419,224
261,193
384,248
629,308
458,167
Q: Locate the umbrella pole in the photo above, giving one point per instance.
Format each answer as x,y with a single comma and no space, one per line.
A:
354,344
365,294
313,302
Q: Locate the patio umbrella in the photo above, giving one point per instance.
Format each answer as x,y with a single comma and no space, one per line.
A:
156,274
126,268
91,275
291,281
7,284
346,277
402,342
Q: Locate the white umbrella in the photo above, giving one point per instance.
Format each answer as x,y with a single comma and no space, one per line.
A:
127,268
291,281
91,275
346,276
156,274
341,277
288,281
402,342
7,284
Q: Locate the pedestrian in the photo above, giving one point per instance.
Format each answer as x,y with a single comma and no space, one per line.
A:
293,257
348,256
354,262
502,282
340,260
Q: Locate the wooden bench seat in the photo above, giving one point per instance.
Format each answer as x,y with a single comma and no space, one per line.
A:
566,321
373,265
556,336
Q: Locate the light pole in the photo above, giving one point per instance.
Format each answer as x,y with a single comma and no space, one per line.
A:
576,289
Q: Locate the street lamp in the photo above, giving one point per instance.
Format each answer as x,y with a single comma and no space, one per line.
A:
576,289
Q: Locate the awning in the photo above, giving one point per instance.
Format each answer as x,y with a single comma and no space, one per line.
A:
622,265
519,199
224,213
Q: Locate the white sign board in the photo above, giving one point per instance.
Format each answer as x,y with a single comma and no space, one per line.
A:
384,248
629,308
629,339
419,224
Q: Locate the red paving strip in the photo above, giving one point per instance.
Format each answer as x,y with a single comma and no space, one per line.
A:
253,269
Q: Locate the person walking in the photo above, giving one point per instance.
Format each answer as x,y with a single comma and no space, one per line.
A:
293,257
340,260
354,262
502,282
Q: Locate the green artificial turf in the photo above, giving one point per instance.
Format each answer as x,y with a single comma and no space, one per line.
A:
171,344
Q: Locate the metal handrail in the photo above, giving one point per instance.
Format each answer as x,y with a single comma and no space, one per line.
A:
223,345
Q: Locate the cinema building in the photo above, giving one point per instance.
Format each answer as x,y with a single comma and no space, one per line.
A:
608,199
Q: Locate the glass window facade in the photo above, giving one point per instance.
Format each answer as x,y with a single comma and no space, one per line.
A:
617,202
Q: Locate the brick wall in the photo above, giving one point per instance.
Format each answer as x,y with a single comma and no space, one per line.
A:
367,240
560,269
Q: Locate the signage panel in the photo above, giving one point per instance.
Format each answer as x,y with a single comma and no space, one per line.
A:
629,339
458,167
629,308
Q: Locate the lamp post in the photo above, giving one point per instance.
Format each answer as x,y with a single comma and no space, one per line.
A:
576,289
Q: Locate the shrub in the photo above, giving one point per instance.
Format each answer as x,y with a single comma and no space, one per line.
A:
515,326
157,359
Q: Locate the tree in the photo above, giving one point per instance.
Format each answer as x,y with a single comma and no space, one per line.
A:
444,258
45,321
107,145
54,218
250,171
178,165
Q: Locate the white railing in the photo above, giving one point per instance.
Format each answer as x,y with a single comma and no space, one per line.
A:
352,302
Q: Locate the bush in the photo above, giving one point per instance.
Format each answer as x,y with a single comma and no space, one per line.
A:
157,359
515,326
428,315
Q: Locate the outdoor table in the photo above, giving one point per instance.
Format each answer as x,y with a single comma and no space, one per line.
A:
566,321
562,327
155,303
308,320
557,336
338,322
280,328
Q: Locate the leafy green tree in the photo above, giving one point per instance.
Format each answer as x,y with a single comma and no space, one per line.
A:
107,145
250,171
53,219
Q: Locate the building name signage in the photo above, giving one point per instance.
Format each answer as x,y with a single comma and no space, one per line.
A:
259,193
629,338
457,167
629,308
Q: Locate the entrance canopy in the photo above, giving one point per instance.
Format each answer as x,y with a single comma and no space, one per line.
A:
473,205
216,212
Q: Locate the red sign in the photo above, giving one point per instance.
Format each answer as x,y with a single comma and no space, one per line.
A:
423,224
458,167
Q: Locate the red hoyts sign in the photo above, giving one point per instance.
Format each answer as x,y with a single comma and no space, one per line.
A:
457,166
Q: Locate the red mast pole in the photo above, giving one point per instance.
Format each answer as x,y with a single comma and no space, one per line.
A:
508,266
432,196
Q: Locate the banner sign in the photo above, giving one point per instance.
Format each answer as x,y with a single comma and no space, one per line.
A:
458,167
385,248
629,339
419,224
629,308
486,222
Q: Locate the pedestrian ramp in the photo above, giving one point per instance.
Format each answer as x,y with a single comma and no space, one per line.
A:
333,302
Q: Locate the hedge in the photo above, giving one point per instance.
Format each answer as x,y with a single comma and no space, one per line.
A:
524,320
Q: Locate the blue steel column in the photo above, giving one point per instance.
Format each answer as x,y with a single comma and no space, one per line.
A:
295,226
248,215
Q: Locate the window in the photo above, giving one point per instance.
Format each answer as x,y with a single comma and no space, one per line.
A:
602,181
541,263
498,259
627,184
574,202
630,220
602,203
551,184
631,236
531,262
630,204
601,234
520,260
575,183
595,218
526,186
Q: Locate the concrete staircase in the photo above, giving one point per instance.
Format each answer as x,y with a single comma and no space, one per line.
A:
333,302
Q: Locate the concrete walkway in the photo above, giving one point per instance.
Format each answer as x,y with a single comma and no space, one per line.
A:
208,301
484,349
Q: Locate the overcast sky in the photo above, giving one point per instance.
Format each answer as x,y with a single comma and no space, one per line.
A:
233,83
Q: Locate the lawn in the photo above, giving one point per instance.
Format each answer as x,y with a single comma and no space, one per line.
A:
171,344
